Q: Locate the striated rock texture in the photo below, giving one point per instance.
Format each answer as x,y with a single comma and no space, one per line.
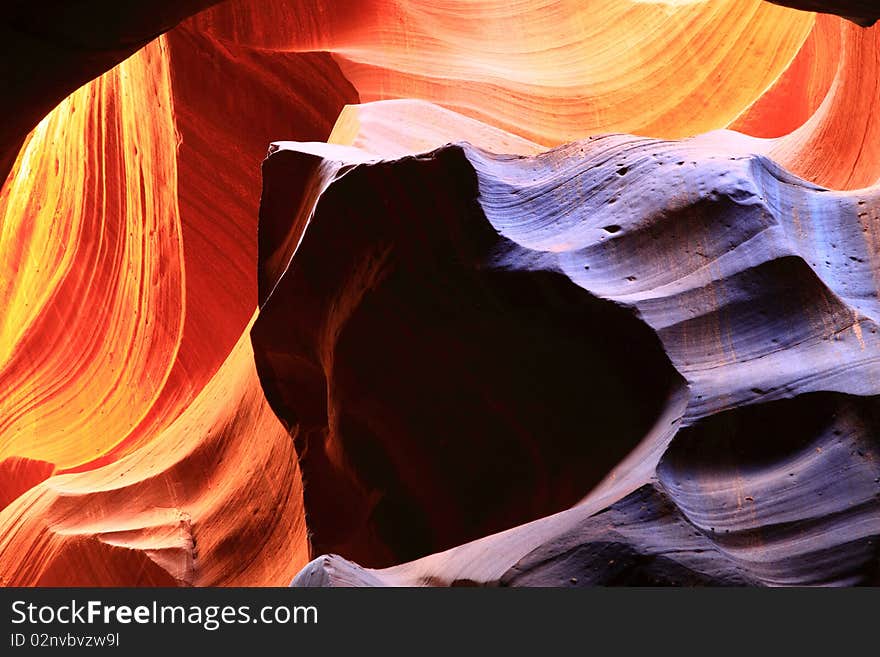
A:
550,72
139,441
726,264
128,281
51,47
780,494
389,346
211,500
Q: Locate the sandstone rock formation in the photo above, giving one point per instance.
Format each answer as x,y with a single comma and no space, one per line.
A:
51,48
566,293
551,75
129,281
705,519
391,345
771,477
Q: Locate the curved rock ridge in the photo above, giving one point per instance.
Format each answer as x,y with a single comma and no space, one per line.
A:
551,73
128,283
764,70
147,234
212,500
838,145
112,177
596,314
796,94
759,286
379,409
42,61
776,494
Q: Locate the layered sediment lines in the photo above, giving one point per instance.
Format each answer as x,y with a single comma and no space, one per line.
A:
95,167
639,360
551,74
49,49
128,280
756,504
760,287
571,72
212,500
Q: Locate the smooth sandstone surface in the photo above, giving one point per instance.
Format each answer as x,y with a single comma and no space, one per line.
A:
764,471
577,293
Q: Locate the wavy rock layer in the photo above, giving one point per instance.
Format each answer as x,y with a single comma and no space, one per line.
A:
778,494
548,73
115,205
107,173
43,60
726,260
136,442
380,419
212,500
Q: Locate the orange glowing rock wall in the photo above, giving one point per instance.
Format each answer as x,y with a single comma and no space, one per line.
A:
105,167
551,72
136,443
129,283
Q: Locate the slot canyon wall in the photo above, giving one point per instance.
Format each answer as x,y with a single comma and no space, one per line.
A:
416,293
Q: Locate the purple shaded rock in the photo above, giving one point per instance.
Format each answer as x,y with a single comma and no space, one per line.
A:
435,397
758,287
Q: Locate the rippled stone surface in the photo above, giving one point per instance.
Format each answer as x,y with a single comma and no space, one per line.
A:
759,287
